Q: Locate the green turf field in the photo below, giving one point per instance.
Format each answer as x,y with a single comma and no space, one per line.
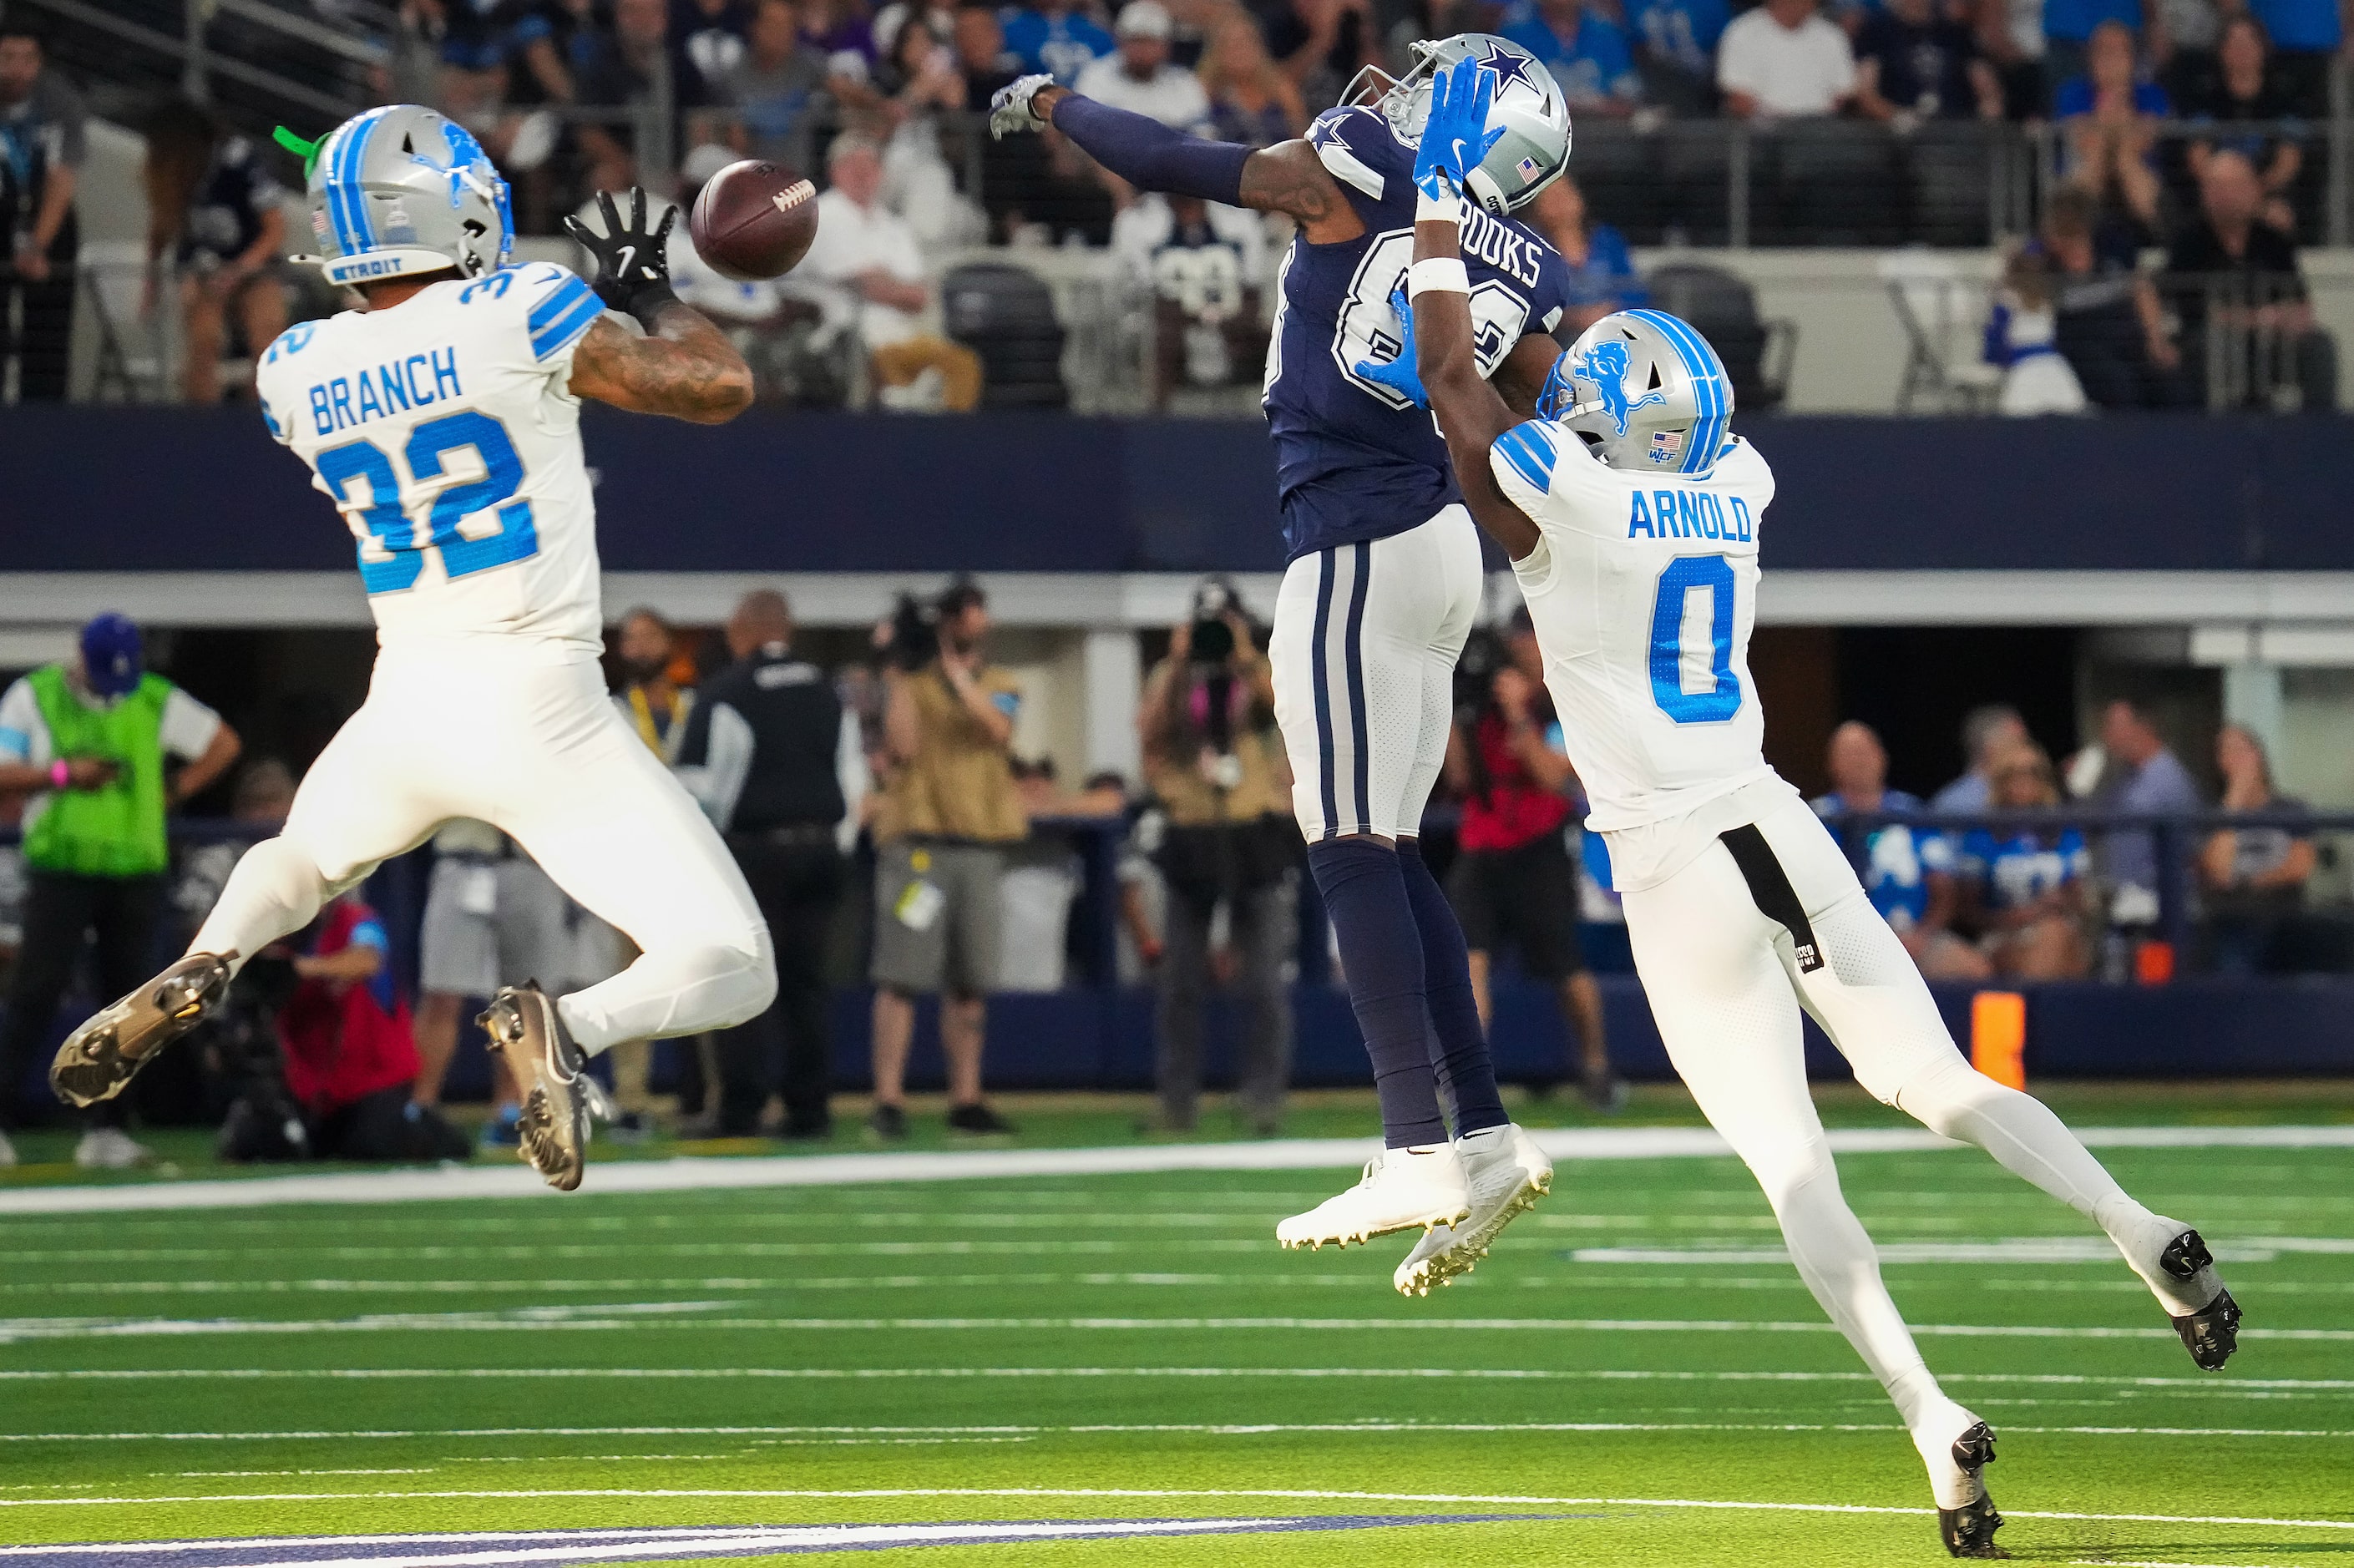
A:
1135,1348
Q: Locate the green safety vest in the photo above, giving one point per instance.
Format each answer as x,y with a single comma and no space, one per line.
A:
117,831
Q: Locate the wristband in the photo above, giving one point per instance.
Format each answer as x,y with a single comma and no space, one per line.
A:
1436,275
1428,208
59,774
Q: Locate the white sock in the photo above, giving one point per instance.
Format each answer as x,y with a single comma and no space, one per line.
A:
679,991
275,889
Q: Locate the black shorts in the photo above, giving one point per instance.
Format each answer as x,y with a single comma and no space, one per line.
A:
1525,898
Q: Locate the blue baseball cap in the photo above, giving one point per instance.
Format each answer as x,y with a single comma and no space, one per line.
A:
110,655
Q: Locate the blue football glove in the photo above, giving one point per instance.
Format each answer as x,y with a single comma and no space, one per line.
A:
1399,374
1456,135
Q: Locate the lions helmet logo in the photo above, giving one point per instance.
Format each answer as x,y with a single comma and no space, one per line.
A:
1604,367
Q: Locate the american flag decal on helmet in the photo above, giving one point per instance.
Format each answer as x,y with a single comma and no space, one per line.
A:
1665,445
1529,168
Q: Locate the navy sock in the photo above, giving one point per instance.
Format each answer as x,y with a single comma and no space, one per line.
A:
1466,1073
1381,949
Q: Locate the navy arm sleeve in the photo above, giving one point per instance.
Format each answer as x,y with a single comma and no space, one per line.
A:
1149,155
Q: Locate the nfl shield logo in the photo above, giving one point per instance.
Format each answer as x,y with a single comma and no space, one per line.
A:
1666,445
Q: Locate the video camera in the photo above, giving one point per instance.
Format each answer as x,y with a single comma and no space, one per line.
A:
264,1122
1213,636
915,638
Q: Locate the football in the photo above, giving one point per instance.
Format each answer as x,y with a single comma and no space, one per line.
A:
753,221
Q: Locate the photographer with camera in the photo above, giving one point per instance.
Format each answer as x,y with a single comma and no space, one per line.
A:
1212,758
1513,880
320,1048
948,814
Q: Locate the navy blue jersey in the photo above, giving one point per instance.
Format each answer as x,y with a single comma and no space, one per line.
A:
1355,459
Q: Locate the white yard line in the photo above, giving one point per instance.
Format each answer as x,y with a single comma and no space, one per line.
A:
1271,1494
838,1169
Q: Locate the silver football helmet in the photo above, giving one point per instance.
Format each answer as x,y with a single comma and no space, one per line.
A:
402,190
1645,391
1529,109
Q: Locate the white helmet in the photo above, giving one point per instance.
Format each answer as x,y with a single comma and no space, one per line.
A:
1529,109
1645,391
402,190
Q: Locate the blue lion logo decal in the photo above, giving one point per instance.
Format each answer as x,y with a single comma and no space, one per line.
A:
1607,366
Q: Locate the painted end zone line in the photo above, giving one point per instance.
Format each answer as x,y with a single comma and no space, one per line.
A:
1156,1494
843,1170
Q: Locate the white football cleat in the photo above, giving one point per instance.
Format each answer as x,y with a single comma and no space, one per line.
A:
1506,1173
7,1153
109,1149
1404,1188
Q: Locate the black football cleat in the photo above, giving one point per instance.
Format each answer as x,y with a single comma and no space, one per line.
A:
1968,1531
98,1059
2211,1333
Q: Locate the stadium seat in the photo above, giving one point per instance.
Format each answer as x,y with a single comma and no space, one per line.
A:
1835,183
1695,166
1006,315
1618,168
1952,169
1757,351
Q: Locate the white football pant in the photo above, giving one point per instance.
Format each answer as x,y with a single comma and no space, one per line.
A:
520,733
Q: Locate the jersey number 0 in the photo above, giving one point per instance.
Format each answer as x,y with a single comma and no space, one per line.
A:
428,446
1720,699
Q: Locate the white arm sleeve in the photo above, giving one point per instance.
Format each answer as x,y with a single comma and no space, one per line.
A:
188,725
718,784
24,734
850,767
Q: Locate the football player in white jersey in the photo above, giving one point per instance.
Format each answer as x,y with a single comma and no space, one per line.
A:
1632,515
443,421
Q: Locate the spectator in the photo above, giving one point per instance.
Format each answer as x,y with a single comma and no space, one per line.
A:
2069,27
1601,269
1054,37
1212,759
88,741
2252,877
711,38
631,69
1204,264
1588,54
2243,280
1987,732
1783,59
1252,101
948,817
1675,44
2022,336
42,138
2143,776
2024,888
1513,884
2189,33
348,1053
1141,77
1916,62
2109,116
2010,39
1907,873
1322,45
777,89
776,762
2109,324
869,253
921,83
212,203
936,17
837,28
491,918
2305,36
2244,88
657,708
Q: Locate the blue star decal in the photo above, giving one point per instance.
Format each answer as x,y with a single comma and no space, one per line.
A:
1327,133
1510,66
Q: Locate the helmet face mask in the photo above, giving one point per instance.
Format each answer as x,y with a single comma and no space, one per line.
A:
1529,111
402,191
1645,392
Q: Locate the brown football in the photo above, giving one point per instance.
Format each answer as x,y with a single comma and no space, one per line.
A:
753,221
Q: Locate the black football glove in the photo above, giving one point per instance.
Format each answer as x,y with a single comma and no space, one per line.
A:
633,266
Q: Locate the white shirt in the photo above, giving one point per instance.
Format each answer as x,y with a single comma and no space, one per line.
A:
1805,69
852,240
1207,280
445,431
1643,589
1171,95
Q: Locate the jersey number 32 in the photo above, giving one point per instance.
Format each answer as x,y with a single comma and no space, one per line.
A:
392,555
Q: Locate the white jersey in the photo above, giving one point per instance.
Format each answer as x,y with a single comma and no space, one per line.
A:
1643,590
444,430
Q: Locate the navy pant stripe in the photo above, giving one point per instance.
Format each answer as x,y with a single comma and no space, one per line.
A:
1323,688
1354,653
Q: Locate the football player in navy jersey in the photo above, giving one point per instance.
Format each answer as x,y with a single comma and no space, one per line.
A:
1384,579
